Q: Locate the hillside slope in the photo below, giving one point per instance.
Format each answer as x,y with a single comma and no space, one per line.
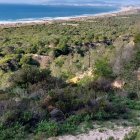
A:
59,79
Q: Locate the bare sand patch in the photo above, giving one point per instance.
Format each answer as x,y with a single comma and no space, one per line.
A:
117,134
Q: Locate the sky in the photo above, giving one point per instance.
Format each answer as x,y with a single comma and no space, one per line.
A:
125,2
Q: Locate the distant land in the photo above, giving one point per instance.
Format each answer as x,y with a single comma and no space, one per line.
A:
78,2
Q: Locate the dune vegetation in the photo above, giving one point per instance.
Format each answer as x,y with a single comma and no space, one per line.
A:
60,78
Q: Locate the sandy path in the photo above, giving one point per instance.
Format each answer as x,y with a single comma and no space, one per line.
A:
118,134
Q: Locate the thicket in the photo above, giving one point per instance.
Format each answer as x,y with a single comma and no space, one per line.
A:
37,102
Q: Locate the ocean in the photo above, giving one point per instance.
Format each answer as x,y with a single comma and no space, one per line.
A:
20,12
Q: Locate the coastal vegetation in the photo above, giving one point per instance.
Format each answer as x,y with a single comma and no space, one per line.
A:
59,78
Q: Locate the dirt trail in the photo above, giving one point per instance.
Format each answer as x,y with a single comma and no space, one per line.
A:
79,76
117,134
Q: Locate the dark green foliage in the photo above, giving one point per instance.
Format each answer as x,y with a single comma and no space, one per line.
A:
53,129
132,95
28,60
137,58
63,50
132,104
101,115
10,62
71,124
67,100
33,49
49,128
29,75
137,38
12,133
102,68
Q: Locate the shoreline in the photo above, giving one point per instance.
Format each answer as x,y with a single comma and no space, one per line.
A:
121,11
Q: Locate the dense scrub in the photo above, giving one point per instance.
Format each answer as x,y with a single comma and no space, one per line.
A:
59,78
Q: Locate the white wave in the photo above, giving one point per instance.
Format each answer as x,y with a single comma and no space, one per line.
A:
76,4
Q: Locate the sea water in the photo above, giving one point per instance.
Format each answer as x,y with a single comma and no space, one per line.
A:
20,12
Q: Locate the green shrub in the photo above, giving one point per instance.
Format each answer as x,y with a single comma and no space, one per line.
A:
132,136
63,48
70,126
26,116
74,123
26,59
32,49
137,58
29,75
59,61
132,104
101,115
102,68
132,95
111,138
49,128
10,62
14,132
9,50
137,38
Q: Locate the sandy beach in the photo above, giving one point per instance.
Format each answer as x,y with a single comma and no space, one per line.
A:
123,11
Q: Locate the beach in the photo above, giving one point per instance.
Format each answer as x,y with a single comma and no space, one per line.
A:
122,11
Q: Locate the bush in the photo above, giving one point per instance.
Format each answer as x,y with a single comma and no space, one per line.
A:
132,104
32,49
137,38
9,50
102,68
132,95
28,60
133,135
49,128
10,62
137,59
101,115
62,51
14,132
29,75
59,62
70,126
